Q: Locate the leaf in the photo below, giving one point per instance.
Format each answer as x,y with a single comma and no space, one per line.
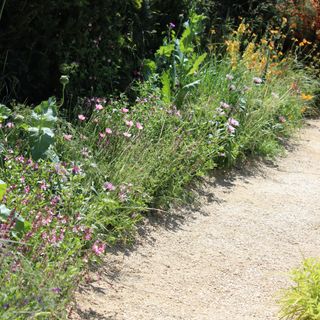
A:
4,212
166,86
21,225
3,188
149,68
192,84
41,140
45,114
4,112
165,50
197,64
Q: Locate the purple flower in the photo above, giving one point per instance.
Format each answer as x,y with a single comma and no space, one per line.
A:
172,25
75,169
56,290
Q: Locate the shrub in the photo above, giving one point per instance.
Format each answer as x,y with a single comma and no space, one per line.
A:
302,299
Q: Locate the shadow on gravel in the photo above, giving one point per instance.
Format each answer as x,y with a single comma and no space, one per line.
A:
90,314
170,221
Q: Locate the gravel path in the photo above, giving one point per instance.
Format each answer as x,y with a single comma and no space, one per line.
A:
226,260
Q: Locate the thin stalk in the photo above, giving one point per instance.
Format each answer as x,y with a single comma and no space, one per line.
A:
2,8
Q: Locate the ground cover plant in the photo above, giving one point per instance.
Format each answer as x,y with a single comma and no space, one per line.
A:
71,189
302,299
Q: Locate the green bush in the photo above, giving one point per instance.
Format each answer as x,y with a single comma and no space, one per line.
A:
302,299
101,43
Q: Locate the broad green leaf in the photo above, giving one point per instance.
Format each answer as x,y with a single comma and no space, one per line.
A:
3,188
41,140
165,50
197,64
4,212
4,112
166,86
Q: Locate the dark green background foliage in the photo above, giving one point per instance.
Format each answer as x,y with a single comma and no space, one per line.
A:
101,42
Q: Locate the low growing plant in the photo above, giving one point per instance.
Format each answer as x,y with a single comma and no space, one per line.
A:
301,301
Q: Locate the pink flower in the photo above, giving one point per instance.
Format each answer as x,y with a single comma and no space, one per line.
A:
129,123
99,107
127,134
282,119
87,234
109,186
124,110
75,169
27,189
98,248
102,135
224,105
139,126
67,137
108,131
43,185
81,117
257,80
229,77
233,122
10,125
231,129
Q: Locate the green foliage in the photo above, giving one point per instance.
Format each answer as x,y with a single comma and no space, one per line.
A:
41,134
302,299
177,60
3,188
4,112
100,44
120,160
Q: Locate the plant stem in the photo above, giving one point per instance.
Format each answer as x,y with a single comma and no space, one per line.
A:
2,8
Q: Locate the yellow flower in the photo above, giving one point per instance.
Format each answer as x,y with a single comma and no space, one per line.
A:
264,41
241,28
306,97
303,109
274,31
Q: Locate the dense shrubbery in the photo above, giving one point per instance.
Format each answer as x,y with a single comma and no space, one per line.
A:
100,42
102,45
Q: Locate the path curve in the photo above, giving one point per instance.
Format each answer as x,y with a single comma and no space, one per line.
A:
228,259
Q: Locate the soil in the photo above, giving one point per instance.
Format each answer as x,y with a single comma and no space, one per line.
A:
226,259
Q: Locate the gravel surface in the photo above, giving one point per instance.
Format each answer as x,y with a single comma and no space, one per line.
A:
228,258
